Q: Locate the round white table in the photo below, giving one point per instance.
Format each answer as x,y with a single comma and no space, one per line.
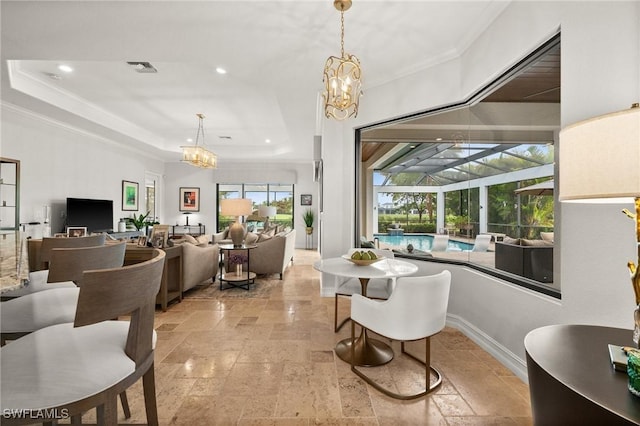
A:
367,352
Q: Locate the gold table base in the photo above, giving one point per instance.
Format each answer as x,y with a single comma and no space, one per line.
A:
368,352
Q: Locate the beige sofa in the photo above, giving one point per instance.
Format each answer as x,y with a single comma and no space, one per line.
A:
199,261
273,255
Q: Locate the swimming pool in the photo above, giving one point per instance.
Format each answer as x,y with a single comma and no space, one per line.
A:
419,242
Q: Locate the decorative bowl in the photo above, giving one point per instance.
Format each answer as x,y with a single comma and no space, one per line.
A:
361,262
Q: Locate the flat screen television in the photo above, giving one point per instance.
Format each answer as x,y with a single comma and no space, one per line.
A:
96,215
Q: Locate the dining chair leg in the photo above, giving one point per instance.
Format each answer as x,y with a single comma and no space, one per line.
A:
107,413
125,404
149,388
337,327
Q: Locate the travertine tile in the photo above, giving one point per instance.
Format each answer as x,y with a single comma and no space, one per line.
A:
265,357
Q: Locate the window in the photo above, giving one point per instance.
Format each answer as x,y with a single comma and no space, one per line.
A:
279,196
458,169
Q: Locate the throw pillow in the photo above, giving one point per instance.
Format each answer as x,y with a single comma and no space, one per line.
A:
188,238
264,237
547,236
269,232
251,238
535,243
203,239
509,240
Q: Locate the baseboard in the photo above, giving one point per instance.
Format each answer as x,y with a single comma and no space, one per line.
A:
507,358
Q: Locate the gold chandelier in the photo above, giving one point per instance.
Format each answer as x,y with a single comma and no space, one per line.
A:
342,77
198,155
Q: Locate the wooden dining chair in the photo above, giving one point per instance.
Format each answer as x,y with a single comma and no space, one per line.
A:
26,314
39,279
417,309
67,369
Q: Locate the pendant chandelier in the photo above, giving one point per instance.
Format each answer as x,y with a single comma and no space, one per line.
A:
342,77
198,155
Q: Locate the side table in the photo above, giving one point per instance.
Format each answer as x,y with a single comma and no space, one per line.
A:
171,284
242,280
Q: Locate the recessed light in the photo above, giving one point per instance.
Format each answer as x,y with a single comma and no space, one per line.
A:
65,68
189,140
221,70
267,140
438,139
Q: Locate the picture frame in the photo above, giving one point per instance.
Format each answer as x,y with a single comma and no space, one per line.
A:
129,195
159,236
142,241
189,199
76,231
305,199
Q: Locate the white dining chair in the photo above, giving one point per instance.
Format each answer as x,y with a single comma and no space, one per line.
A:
417,309
68,369
377,288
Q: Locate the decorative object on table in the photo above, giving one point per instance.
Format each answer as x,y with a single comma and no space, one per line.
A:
189,200
306,199
159,236
363,257
410,248
237,207
308,216
238,260
129,195
633,371
591,176
142,241
342,77
186,216
122,225
198,155
76,231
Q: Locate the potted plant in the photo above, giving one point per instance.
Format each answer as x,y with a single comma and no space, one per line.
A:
139,221
309,217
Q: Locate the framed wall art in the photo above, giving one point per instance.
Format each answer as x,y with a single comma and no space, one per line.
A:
129,196
305,199
189,199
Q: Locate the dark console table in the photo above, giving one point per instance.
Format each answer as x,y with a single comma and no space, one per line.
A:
571,379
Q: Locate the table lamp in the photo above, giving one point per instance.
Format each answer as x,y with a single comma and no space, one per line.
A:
601,162
268,212
236,207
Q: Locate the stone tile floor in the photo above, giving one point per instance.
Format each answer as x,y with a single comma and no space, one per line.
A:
266,358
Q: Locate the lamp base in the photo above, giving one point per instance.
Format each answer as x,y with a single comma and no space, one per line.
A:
236,232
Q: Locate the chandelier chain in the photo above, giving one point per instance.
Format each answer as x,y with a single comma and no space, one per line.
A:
342,32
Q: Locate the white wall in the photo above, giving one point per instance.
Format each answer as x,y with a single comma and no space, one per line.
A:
59,162
180,174
600,73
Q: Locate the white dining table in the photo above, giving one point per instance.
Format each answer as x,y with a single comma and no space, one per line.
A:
368,352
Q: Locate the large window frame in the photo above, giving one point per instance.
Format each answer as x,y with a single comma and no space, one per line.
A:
468,103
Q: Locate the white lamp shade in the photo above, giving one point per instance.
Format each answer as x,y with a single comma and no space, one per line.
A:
600,157
267,211
235,207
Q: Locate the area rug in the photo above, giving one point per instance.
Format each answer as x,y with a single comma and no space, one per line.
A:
261,289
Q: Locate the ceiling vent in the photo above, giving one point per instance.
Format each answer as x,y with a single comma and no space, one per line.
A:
143,67
225,137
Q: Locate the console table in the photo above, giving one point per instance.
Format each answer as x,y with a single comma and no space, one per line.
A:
571,379
171,284
194,230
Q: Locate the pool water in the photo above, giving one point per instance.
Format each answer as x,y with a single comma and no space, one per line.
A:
419,242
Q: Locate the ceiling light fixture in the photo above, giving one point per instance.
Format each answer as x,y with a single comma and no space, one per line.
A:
65,68
198,155
342,77
221,70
